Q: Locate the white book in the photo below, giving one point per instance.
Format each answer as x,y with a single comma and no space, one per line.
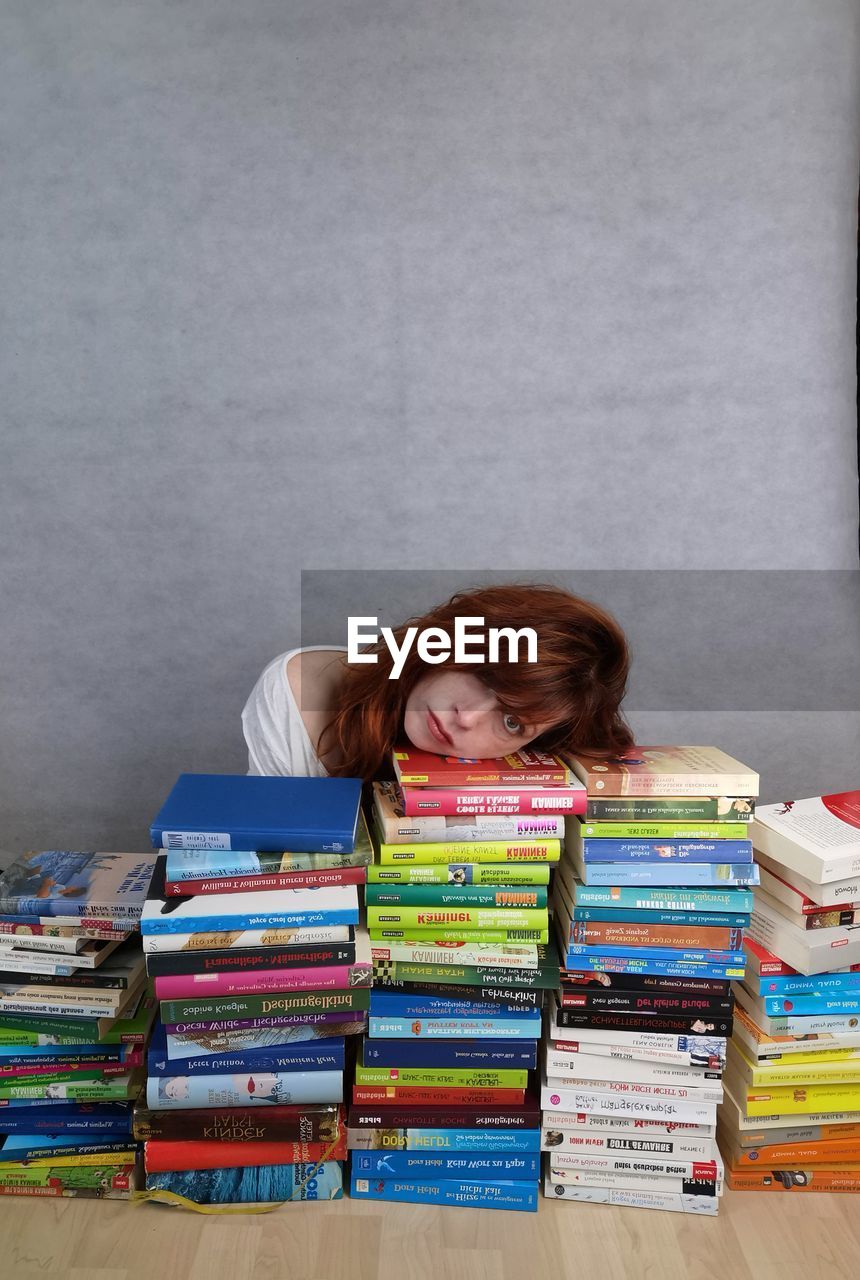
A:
810,951
818,838
836,893
657,1165
643,1054
632,1102
672,1202
627,1181
615,1124
586,1066
671,1145
232,939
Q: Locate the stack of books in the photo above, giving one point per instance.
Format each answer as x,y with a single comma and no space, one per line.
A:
651,900
791,1120
458,919
262,972
74,1020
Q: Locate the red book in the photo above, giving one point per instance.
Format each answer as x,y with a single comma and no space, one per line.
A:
165,1157
188,986
451,802
404,1116
418,1096
274,880
522,768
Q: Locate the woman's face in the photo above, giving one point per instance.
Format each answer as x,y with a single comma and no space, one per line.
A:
453,714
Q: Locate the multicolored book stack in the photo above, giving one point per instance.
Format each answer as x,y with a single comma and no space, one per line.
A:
458,920
791,1121
262,972
74,1020
650,899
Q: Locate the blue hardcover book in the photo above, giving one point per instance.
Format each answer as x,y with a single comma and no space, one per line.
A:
480,1195
245,1088
819,1003
662,899
472,1140
657,968
422,1006
262,814
318,1055
674,955
796,984
693,919
112,1118
671,850
28,1146
430,1028
268,1183
670,873
441,1055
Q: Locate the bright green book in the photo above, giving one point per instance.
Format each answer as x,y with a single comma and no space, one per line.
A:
117,1088
455,1078
454,933
461,895
474,851
457,917
665,830
460,873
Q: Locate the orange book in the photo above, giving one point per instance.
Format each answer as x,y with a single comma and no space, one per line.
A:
656,935
792,1154
810,1179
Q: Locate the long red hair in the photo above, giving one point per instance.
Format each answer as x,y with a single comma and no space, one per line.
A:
577,683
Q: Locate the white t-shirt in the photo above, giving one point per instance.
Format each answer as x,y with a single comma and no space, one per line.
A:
278,742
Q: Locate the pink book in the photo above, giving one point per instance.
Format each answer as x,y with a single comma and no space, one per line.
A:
452,801
179,986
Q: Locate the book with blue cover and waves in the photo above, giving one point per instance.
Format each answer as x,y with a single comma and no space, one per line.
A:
264,814
480,1194
75,884
318,1055
256,1185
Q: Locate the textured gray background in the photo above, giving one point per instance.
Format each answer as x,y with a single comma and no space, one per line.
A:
366,285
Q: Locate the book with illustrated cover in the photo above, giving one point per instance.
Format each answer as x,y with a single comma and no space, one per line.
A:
246,1088
606,808
396,828
210,864
665,771
256,1185
75,884
818,838
527,768
264,814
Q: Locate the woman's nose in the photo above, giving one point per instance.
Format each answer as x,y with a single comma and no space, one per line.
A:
470,714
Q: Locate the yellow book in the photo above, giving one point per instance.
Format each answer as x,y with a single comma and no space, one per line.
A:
822,1069
798,1100
500,851
71,1162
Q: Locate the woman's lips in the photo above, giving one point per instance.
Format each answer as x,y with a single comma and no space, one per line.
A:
437,731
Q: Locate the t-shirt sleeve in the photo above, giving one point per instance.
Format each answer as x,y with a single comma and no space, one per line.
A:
265,723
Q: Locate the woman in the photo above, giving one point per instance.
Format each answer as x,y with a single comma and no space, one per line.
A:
313,714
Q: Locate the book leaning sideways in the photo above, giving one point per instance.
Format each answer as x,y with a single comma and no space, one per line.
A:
259,814
67,884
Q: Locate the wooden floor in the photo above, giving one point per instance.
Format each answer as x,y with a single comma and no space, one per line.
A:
755,1237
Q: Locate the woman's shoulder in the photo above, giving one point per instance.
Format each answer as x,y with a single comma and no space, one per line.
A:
311,675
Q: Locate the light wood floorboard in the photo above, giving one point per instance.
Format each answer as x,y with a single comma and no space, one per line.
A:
755,1237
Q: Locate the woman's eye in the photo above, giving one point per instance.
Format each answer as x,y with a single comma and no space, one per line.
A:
511,723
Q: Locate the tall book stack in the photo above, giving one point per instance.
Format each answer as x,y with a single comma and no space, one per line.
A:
458,919
74,1020
792,1115
651,899
262,972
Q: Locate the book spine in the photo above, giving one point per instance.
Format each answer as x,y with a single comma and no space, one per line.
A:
644,1051
469,896
481,955
260,841
796,1154
575,1099
594,932
584,1067
690,874
819,1179
455,1028
691,919
161,1156
181,986
614,1020
672,851
618,782
490,852
432,772
793,1101
239,1008
165,1093
441,1131
663,830
266,1183
439,1078
232,1127
83,1091
674,1146
635,1182
601,963
167,962
254,884
314,1024
474,829
384,1003
634,1126
293,1058
511,996
649,1002
700,1205
458,917
197,864
722,810
491,1054
451,802
222,922
648,1166
483,1194
398,1164
241,939
817,1003
665,900
830,984
460,874
685,955
481,934
414,1096
463,974
711,988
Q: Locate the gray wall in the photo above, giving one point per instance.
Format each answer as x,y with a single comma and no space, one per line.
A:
383,285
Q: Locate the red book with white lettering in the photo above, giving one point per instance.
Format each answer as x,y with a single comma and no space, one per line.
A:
521,768
452,801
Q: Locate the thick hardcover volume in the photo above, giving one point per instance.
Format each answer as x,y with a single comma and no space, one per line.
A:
818,838
459,873
666,771
671,850
160,1156
670,809
490,1055
672,899
239,1125
397,1164
451,802
616,1020
266,1184
240,1008
814,1179
65,883
249,959
483,1194
394,826
179,986
491,851
263,883
394,1116
439,896
594,932
522,768
263,814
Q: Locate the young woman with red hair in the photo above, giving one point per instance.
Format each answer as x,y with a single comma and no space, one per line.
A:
311,713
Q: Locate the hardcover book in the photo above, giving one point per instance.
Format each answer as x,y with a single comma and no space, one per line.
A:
525,768
666,771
